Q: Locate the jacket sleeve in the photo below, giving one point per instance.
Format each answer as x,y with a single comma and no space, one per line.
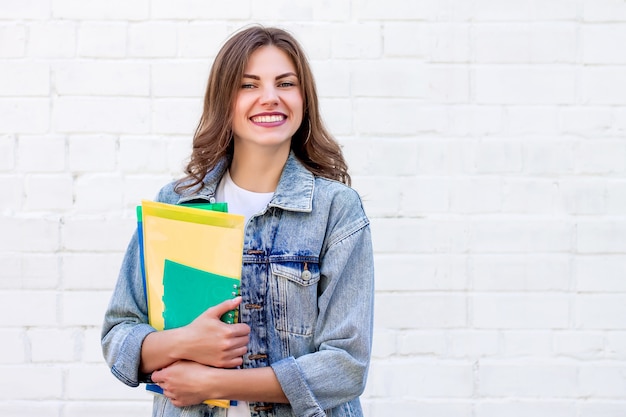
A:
337,371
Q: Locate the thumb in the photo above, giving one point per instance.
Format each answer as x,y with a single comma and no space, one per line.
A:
224,307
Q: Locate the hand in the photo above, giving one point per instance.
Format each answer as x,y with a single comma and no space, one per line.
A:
209,341
183,382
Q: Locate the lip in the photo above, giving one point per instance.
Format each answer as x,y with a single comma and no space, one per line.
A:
281,121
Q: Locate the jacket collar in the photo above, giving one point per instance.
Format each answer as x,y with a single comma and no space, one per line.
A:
294,191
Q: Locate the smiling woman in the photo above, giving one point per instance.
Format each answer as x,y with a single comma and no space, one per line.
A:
302,346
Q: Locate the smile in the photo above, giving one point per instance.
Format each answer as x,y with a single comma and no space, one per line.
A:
268,118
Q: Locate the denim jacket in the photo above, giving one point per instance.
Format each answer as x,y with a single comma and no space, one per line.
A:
307,288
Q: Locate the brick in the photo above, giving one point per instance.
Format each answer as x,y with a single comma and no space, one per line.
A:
12,40
498,156
314,39
601,311
417,236
53,345
379,197
35,408
505,10
527,85
435,379
337,116
521,409
96,382
422,342
448,84
12,190
616,197
142,407
494,235
435,42
527,379
528,272
395,10
445,156
286,10
603,85
13,347
531,120
404,152
472,344
542,157
101,115
7,152
529,196
27,9
29,271
350,41
554,43
201,39
603,380
22,308
102,39
54,39
377,78
29,234
332,79
599,408
583,196
520,311
177,116
96,192
529,343
418,311
102,78
91,347
329,10
19,78
588,121
104,269
474,120
142,187
95,9
179,79
49,192
555,9
426,195
44,383
385,344
402,117
601,237
41,154
112,233
421,272
87,153
603,11
24,115
601,157
475,195
616,345
580,345
200,10
84,308
597,44
178,152
152,40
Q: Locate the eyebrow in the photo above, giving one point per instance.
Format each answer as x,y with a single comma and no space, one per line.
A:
278,77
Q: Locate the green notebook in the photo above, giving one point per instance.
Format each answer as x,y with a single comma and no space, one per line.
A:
188,292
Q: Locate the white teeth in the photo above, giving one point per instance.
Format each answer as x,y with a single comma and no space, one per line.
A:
268,119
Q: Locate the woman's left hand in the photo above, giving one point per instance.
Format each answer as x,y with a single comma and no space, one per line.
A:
184,382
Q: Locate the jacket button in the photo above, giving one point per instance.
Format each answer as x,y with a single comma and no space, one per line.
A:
306,275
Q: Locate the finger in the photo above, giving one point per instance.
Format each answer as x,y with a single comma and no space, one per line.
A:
224,307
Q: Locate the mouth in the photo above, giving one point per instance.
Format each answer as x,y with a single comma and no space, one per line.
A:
268,118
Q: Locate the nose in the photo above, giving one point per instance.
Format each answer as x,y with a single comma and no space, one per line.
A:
269,95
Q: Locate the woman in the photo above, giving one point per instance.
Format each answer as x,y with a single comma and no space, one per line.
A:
302,347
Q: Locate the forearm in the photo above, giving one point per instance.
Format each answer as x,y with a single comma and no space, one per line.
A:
251,384
159,349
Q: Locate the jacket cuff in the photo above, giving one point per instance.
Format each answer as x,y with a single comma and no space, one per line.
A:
126,366
296,389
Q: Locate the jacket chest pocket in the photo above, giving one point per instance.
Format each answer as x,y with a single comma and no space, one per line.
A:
293,289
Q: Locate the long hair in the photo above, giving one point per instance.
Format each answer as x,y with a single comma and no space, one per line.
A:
312,144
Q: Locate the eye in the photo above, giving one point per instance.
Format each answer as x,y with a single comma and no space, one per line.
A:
247,85
286,84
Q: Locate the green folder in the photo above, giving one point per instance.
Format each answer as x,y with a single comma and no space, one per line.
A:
188,292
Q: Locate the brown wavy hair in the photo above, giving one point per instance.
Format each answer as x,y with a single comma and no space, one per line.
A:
312,144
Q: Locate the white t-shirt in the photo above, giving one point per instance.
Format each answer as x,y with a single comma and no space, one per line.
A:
246,203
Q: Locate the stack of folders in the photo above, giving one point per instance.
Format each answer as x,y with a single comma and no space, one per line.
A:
191,257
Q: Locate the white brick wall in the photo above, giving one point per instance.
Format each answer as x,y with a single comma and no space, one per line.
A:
485,136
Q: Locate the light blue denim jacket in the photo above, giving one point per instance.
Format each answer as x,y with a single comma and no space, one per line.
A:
308,290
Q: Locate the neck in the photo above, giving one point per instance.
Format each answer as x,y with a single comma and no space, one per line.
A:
258,171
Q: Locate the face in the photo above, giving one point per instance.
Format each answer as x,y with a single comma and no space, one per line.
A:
268,107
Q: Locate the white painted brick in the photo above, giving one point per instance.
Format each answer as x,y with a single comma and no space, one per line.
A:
402,408
498,156
522,409
332,79
109,408
96,382
41,154
419,236
43,382
554,43
380,197
418,273
53,345
337,115
532,272
601,311
55,39
501,10
543,157
84,308
27,9
103,267
474,120
601,157
588,196
443,156
529,85
600,408
281,10
12,190
314,39
31,271
102,78
434,379
395,10
605,236
91,347
391,78
404,156
529,196
616,197
7,152
112,233
555,9
520,311
177,116
24,115
48,192
431,343
528,379
472,344
178,153
448,84
199,9
526,120
616,344
142,187
402,117
603,85
581,345
49,408
200,39
525,343
101,115
22,308
152,40
357,153
435,42
604,10
349,41
95,9
102,39
603,380
476,195
179,79
20,78
502,236
331,10
600,273
598,45
418,311
96,153
29,234
385,344
426,195
590,121
96,192
12,40
13,346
